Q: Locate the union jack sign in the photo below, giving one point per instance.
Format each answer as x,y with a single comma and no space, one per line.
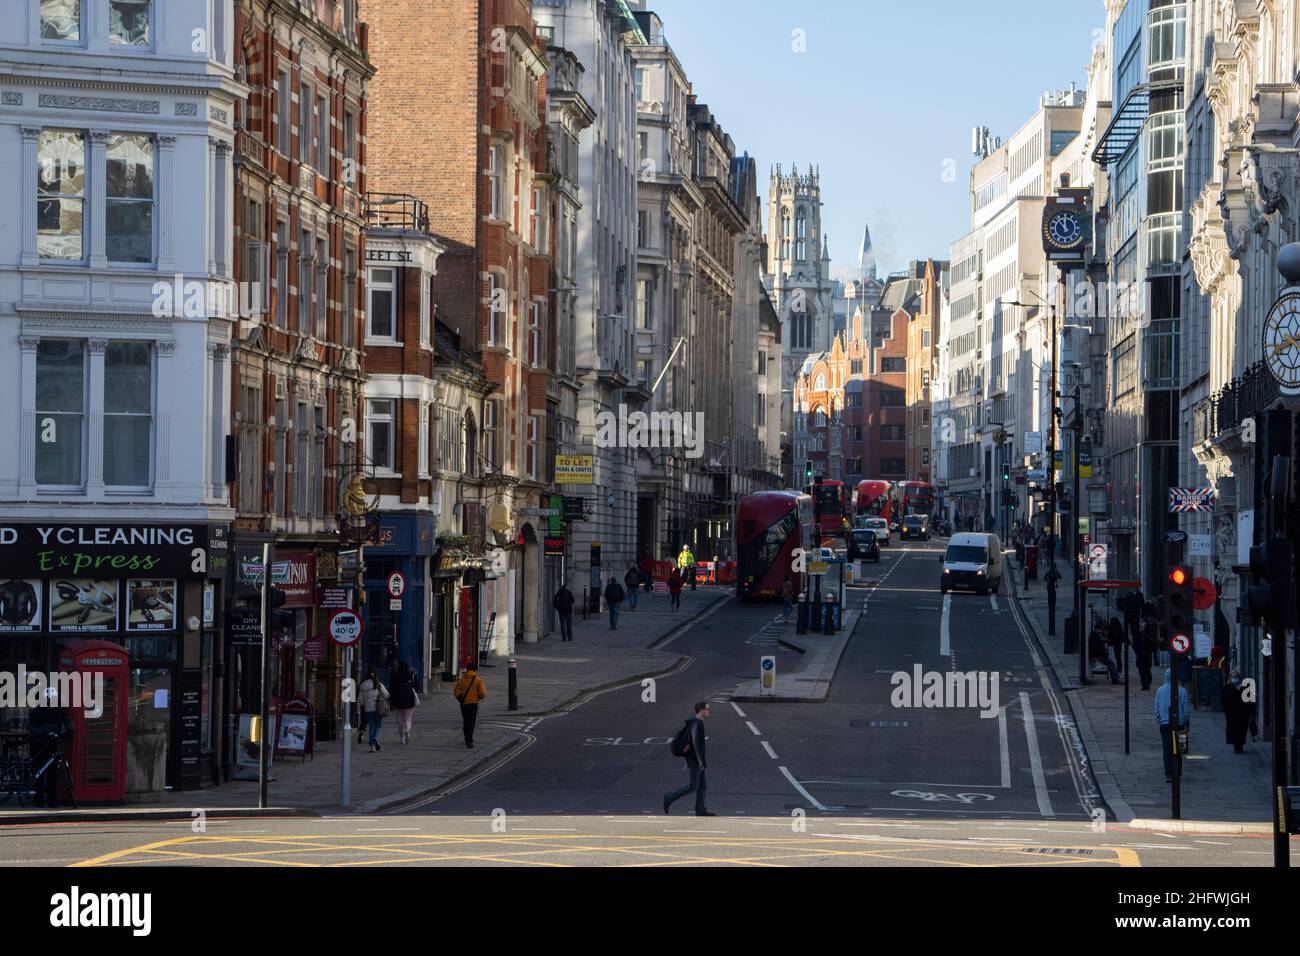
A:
1182,500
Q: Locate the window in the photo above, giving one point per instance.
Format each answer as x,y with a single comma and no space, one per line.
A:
535,333
305,101
424,440
60,411
490,434
892,467
891,398
785,233
282,275
381,317
323,134
450,426
322,260
379,432
281,454
893,365
801,236
426,307
855,366
61,195
494,330
301,462
644,304
892,433
128,414
61,20
282,120
348,320
349,148
494,182
642,228
318,465
128,218
643,147
640,86
925,456
762,362
925,338
128,22
531,462
304,282
1166,37
250,450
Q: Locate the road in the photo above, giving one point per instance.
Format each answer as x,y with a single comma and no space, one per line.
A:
854,780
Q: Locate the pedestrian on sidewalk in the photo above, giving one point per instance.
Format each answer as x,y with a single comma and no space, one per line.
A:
690,741
374,698
470,691
563,604
1239,713
1161,709
1097,651
614,596
1018,541
686,564
787,599
1145,645
405,699
647,568
632,581
1131,605
1116,639
675,589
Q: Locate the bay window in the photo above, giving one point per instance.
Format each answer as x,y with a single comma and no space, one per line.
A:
128,414
129,212
61,195
60,411
379,432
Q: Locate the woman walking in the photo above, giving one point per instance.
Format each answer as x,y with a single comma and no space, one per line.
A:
405,699
675,589
374,698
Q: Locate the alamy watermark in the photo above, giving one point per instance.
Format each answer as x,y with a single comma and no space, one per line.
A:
651,430
184,298
951,690
71,690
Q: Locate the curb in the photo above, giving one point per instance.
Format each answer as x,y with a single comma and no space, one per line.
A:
828,680
393,801
129,816
1200,826
1111,794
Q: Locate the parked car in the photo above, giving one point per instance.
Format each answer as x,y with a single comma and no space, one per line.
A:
863,545
973,560
915,526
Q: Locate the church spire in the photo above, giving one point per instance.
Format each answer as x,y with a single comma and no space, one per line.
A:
866,255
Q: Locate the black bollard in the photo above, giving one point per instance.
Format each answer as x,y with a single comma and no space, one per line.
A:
513,685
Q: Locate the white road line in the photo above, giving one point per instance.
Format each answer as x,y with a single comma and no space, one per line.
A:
359,830
806,795
1035,759
770,752
945,642
545,829
1213,842
695,831
1006,751
993,600
750,725
737,709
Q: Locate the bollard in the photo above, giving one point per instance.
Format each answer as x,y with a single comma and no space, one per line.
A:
801,615
514,685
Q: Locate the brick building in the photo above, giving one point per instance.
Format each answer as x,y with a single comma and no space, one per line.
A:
922,342
297,378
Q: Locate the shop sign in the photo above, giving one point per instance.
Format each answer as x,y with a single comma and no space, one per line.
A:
244,624
574,470
313,649
292,573
574,508
554,546
103,550
294,736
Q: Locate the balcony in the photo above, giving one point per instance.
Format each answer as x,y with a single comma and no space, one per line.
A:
1215,418
397,212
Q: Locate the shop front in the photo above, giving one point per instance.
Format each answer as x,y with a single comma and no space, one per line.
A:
397,607
149,589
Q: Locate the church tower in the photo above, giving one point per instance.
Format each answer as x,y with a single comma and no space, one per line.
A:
798,275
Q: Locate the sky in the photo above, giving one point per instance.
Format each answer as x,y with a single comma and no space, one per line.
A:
885,95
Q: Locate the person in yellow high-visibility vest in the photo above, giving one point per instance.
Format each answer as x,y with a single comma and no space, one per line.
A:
686,564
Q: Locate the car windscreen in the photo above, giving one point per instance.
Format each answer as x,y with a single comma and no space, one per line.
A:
861,535
876,522
967,554
913,522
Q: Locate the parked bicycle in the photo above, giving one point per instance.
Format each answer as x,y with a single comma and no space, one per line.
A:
21,776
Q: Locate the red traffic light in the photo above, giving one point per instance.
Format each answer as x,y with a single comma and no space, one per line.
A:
1178,576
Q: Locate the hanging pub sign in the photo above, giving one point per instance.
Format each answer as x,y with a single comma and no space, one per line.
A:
97,551
1184,500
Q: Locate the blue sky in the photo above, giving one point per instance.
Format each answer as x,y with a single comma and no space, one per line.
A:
886,92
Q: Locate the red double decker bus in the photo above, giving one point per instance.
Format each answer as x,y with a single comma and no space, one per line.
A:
770,526
831,499
917,498
875,500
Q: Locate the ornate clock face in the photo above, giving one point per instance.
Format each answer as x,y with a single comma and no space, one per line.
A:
1282,341
1064,230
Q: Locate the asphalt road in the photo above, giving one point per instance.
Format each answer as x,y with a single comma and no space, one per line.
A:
854,780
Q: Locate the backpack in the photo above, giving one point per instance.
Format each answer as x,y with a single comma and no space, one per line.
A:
681,743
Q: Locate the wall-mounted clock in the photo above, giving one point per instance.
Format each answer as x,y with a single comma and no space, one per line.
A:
1063,230
1282,341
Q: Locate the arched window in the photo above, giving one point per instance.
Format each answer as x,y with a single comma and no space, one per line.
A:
821,383
785,233
801,236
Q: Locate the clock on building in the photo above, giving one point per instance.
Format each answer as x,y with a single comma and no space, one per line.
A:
1282,341
1063,232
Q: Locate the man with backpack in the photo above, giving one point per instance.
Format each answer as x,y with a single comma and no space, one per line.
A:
632,581
689,743
469,691
613,598
563,604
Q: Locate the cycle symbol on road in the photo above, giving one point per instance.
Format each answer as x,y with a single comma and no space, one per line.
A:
967,798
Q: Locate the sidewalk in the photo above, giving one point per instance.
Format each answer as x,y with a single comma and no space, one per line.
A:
551,675
1216,784
810,682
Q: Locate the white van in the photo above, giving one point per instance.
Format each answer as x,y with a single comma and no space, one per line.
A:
973,560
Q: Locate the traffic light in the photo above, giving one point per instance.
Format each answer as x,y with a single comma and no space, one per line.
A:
808,472
1271,596
1178,603
1006,472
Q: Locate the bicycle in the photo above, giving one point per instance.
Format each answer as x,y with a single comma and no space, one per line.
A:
17,775
15,770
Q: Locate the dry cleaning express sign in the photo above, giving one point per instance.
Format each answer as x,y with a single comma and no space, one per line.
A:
103,550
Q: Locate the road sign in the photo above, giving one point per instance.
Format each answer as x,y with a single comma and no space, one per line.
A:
818,567
1097,557
540,512
767,673
394,604
1180,644
346,627
1204,594
1033,443
396,584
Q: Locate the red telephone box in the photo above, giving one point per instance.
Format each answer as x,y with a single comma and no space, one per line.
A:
98,755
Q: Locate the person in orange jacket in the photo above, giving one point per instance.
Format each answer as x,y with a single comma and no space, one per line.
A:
470,691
